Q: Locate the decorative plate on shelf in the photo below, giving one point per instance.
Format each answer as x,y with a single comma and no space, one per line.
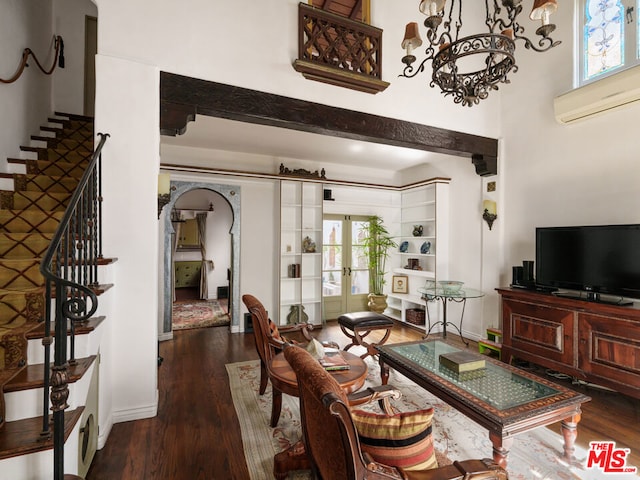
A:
425,247
404,246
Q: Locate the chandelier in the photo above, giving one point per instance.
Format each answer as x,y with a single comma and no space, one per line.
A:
469,67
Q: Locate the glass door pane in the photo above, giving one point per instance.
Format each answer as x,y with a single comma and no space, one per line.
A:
332,258
345,273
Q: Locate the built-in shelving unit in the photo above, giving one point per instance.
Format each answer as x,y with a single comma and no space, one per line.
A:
423,256
300,250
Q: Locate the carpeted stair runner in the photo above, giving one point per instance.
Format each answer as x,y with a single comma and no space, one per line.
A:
29,216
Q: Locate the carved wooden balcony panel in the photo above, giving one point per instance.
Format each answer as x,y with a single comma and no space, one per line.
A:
339,51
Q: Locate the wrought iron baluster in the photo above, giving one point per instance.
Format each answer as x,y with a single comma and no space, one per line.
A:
65,267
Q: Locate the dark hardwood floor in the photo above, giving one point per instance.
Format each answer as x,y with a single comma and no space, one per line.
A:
196,434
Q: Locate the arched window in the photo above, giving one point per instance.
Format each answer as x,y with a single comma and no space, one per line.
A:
608,37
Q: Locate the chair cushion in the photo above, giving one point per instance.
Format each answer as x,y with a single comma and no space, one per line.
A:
364,320
402,440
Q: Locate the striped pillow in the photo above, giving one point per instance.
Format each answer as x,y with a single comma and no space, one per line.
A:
402,440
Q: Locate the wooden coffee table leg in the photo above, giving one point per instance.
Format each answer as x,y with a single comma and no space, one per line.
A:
501,447
570,432
384,372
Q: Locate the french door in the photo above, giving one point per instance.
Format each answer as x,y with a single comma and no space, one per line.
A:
345,273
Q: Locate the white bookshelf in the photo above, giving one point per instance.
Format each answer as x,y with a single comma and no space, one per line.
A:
426,205
300,217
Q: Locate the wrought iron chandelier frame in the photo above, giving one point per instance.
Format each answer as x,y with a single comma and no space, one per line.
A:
445,47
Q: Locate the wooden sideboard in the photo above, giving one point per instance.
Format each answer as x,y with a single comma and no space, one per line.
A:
594,342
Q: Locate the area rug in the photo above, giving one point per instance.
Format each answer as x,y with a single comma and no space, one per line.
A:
536,455
198,314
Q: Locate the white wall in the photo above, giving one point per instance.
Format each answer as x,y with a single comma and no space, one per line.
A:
579,174
68,83
26,103
130,229
219,40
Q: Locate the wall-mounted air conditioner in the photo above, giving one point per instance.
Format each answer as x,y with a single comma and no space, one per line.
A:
604,95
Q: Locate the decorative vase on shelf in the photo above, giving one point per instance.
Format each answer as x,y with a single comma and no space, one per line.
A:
377,303
297,315
308,245
417,230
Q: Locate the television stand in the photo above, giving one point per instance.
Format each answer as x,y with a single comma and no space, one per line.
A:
593,297
596,342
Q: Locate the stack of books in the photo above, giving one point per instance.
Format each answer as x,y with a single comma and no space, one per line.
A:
334,361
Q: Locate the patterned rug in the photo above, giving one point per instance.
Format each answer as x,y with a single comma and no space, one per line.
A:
198,314
536,455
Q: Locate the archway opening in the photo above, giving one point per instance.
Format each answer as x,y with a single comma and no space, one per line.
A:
219,208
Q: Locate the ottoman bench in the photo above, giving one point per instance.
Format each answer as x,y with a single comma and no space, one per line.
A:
357,325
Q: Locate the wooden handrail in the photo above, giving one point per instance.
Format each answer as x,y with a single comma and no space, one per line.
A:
58,60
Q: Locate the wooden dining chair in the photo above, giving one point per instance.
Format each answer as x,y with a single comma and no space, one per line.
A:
269,342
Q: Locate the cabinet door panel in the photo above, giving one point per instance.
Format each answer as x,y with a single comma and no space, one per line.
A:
543,331
610,348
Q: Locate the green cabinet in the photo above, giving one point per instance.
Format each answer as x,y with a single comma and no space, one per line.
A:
187,274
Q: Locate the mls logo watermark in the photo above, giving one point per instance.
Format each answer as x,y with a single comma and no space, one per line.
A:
608,458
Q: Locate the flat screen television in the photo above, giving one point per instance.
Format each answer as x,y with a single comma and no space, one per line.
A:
594,260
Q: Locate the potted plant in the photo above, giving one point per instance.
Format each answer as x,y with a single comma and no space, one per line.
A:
377,243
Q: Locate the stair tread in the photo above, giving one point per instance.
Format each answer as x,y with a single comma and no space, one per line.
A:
75,116
82,329
32,376
20,291
32,175
22,437
40,166
83,153
97,289
39,194
22,261
24,161
27,220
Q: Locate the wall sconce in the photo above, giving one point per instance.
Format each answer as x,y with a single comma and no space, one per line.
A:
489,213
164,191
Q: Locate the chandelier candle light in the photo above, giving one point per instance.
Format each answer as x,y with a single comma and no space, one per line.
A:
469,67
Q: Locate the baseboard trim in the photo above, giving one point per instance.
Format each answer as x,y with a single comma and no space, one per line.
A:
139,413
104,432
163,337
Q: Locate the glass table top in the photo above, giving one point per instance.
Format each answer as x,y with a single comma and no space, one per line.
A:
497,386
437,291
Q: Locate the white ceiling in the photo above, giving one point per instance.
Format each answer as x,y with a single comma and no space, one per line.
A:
230,135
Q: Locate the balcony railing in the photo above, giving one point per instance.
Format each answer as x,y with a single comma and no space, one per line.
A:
339,51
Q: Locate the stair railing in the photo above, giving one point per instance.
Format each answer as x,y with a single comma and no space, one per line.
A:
70,270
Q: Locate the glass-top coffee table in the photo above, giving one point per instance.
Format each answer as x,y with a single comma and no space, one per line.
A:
501,398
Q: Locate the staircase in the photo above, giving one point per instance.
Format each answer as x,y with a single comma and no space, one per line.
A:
30,213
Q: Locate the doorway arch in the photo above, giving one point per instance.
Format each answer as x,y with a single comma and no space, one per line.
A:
231,193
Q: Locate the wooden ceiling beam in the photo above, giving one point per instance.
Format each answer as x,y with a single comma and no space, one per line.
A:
182,98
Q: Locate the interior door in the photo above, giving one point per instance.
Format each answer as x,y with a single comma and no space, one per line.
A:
90,51
345,273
